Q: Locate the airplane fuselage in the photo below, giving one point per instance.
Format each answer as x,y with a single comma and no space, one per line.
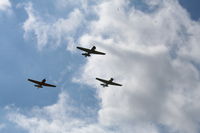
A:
87,54
40,85
107,83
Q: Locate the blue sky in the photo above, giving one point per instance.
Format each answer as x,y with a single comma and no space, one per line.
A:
192,8
22,59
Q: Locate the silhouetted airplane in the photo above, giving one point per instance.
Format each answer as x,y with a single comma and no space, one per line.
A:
41,84
90,51
108,82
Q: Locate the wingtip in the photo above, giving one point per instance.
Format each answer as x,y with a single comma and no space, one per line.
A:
98,79
78,47
120,85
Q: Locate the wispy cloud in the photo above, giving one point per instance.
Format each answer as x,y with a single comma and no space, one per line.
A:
53,33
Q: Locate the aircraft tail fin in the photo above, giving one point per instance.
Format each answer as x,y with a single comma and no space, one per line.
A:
38,86
86,54
104,85
111,79
93,48
44,80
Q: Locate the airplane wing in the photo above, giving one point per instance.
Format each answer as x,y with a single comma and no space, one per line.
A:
84,49
102,80
34,81
49,85
113,83
97,52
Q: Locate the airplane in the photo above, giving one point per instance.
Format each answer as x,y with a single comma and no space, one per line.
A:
90,51
41,84
108,82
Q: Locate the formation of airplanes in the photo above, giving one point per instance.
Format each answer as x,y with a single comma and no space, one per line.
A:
88,52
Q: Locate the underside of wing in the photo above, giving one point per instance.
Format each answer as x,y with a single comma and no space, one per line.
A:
83,49
49,85
97,52
34,81
113,83
102,80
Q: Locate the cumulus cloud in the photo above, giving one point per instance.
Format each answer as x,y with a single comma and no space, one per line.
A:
151,54
57,118
155,55
5,5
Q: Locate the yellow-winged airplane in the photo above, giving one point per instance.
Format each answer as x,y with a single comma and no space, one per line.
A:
40,84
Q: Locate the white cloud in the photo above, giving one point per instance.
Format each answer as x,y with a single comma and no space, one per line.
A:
57,118
52,32
61,118
148,53
151,54
2,126
5,5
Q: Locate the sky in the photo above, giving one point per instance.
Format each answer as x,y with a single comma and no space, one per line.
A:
152,48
